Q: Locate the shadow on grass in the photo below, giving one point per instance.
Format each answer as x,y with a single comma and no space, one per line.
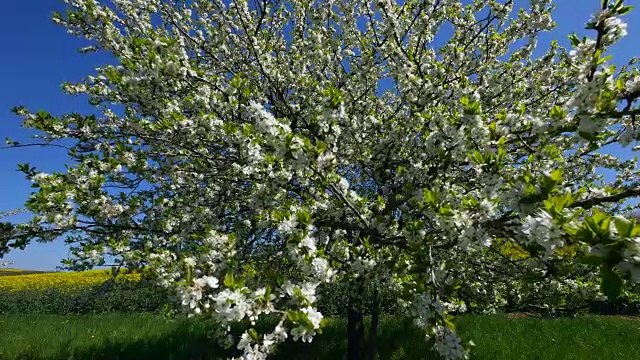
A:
182,343
396,340
191,342
125,336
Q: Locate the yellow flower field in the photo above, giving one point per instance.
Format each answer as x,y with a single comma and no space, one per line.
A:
60,280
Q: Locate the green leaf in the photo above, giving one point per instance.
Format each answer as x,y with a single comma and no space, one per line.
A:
430,197
598,54
624,226
449,323
557,113
599,223
598,216
574,39
585,234
27,169
492,127
446,211
477,157
303,216
557,203
335,96
229,280
556,175
293,316
522,108
254,334
625,9
604,59
611,285
548,182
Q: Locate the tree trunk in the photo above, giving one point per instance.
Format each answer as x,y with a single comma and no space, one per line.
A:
372,343
355,334
355,325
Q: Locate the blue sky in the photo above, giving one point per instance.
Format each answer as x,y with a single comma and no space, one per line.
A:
40,55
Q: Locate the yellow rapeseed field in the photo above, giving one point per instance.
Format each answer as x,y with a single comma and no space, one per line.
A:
60,280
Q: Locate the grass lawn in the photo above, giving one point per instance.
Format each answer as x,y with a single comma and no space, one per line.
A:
144,336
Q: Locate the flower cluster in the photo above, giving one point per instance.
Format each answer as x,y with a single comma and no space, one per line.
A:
542,229
448,344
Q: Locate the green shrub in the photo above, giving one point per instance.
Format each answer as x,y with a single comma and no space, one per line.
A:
118,297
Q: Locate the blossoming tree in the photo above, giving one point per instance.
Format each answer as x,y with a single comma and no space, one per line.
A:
374,143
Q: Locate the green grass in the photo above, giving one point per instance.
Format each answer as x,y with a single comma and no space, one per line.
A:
590,337
146,336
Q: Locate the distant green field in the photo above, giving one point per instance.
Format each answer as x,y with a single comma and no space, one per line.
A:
10,272
146,336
